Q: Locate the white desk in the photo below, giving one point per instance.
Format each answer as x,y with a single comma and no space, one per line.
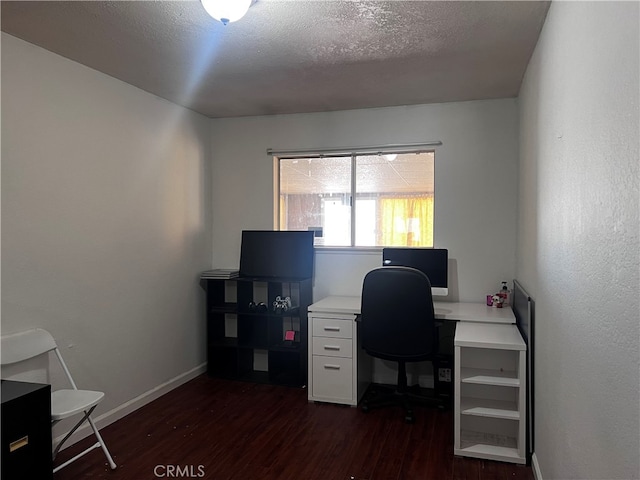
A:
489,366
454,311
339,371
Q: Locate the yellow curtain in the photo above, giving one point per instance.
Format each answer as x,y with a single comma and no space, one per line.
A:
283,212
406,221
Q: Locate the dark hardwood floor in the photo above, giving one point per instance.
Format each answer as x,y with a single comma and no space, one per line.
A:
218,429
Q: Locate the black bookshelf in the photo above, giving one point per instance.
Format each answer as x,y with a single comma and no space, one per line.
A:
248,339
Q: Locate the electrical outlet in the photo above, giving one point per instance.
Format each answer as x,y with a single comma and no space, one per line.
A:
444,374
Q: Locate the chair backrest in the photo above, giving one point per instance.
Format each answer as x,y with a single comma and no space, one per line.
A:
397,317
18,347
22,346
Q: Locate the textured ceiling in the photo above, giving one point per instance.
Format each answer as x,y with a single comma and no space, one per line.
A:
295,55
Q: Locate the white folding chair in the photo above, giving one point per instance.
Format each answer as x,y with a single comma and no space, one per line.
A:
23,346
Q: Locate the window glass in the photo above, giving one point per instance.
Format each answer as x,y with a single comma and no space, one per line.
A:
315,194
394,199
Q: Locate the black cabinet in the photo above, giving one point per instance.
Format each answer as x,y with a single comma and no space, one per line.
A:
248,338
26,431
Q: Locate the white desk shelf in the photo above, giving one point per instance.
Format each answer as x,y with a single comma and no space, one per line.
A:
483,407
480,445
490,392
483,376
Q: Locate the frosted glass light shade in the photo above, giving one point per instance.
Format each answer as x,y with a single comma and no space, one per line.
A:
226,11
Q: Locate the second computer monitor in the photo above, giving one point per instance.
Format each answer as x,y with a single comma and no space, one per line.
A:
433,262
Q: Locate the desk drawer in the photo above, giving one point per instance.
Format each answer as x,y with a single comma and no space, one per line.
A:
332,378
332,327
333,347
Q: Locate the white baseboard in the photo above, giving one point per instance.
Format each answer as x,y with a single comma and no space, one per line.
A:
132,405
536,467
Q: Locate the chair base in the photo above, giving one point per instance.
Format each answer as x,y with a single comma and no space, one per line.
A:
379,396
99,444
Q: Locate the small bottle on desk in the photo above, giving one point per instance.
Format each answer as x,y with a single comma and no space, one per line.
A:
504,294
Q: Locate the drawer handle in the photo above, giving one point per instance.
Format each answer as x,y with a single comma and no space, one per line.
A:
332,367
332,347
21,442
332,329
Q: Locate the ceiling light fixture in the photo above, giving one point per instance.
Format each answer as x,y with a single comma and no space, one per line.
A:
226,11
391,156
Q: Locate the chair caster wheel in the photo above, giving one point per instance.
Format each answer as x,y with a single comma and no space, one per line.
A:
365,408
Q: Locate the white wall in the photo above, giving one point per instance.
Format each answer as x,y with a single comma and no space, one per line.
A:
105,222
578,241
476,182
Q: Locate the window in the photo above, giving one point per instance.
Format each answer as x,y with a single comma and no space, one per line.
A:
393,198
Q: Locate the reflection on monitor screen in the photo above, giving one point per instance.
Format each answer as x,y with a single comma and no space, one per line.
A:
433,262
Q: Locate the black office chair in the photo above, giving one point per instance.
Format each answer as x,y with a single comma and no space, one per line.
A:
397,323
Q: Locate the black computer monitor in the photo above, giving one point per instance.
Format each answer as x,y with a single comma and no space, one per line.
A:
272,253
433,262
